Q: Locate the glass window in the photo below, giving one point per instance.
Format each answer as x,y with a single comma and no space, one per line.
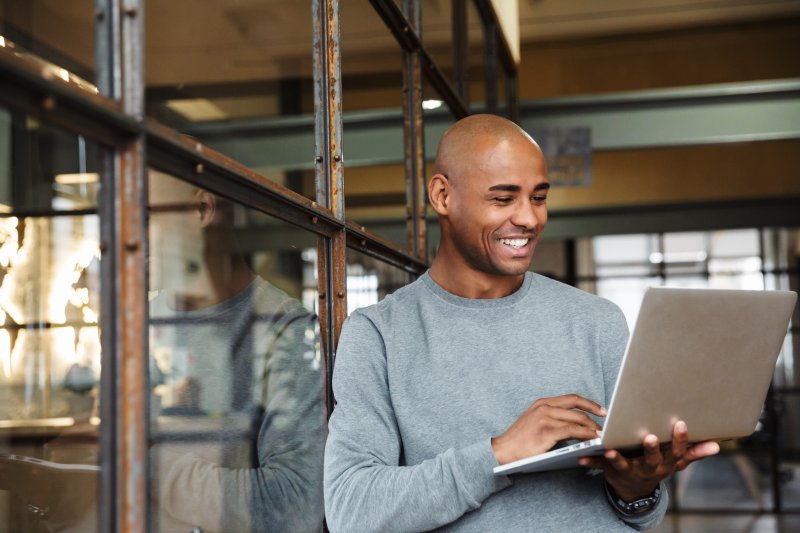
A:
236,372
685,253
627,293
370,280
741,477
59,35
374,156
50,359
731,480
219,70
612,249
437,34
43,168
625,255
788,410
735,243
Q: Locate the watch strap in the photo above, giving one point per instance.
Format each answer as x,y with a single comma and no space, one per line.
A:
638,506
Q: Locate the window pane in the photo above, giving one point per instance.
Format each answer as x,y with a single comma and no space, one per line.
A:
627,293
685,253
735,243
370,280
781,248
238,420
437,34
58,34
45,169
49,334
237,76
616,249
731,480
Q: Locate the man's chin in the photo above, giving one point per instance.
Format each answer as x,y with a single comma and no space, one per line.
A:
514,269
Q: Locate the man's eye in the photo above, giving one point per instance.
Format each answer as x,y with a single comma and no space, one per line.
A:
539,198
503,199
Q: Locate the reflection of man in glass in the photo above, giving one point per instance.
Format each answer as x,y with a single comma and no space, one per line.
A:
238,419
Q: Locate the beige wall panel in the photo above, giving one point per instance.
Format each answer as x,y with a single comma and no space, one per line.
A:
745,52
687,174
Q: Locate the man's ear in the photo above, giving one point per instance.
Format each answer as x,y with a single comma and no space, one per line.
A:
439,193
206,207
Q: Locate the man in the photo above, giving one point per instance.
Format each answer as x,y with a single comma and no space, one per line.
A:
434,385
238,416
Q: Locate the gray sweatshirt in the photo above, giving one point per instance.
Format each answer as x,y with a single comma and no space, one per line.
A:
425,378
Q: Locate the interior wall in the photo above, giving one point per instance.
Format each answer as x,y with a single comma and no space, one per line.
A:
735,171
708,173
741,52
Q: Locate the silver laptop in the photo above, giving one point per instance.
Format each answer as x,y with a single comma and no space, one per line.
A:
704,356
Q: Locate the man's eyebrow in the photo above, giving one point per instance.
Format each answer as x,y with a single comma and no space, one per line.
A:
516,188
506,188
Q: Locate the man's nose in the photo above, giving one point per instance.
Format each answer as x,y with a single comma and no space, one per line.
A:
525,216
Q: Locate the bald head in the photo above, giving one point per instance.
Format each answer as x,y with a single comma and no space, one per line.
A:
472,135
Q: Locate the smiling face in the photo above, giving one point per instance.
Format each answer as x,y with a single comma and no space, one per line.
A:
491,200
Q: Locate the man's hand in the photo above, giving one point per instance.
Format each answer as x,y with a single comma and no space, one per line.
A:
634,478
544,423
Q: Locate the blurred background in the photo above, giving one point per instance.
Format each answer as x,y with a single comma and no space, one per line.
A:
672,130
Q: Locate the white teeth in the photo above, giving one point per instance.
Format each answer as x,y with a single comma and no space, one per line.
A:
515,243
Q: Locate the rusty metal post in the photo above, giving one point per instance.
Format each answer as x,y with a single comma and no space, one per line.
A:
130,319
329,174
414,142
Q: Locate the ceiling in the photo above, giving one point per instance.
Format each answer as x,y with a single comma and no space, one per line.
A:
218,41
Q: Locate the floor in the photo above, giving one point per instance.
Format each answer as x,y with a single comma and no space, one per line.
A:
731,523
738,491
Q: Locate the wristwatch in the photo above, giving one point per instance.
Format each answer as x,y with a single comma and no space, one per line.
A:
642,505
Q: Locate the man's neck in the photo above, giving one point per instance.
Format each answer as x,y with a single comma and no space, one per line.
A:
471,284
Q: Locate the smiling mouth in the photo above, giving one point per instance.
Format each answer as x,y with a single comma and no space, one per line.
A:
515,243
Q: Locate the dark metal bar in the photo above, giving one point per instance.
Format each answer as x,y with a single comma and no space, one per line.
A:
490,31
49,213
325,293
502,52
409,41
361,239
131,314
512,95
107,48
414,141
107,490
461,50
772,413
25,86
442,86
191,161
108,61
489,17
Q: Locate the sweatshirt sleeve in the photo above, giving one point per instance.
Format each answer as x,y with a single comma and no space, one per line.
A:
612,349
366,487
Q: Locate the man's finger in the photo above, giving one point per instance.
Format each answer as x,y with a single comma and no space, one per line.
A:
701,450
575,401
570,416
572,431
652,453
617,460
680,438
